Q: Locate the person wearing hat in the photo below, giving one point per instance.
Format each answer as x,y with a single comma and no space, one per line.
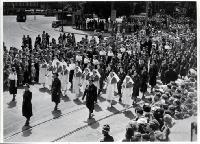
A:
107,137
27,105
13,83
91,94
56,90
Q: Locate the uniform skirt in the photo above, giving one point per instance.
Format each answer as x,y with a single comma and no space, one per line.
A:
12,88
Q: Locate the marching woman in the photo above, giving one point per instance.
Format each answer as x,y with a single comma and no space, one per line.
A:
77,81
96,77
27,105
90,94
64,77
112,81
72,67
56,90
33,73
56,64
85,78
13,83
42,72
49,75
127,88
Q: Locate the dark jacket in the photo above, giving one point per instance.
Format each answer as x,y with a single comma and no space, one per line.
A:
27,105
56,90
107,138
153,72
91,95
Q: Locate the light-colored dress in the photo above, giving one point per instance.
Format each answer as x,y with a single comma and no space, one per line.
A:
49,77
111,87
127,91
42,74
76,82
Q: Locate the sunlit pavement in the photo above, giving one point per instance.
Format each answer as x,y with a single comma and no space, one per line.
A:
70,122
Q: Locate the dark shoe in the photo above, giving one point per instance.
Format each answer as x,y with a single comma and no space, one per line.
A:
120,100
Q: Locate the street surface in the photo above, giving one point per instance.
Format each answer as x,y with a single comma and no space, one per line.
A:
13,31
70,122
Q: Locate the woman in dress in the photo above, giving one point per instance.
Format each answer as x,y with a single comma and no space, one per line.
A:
76,81
85,78
27,105
42,72
49,75
96,77
13,83
112,81
127,88
64,77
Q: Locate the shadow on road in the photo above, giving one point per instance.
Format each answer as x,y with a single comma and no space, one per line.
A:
101,99
97,108
26,131
56,113
129,114
92,123
43,90
65,98
114,102
121,104
113,109
12,104
77,101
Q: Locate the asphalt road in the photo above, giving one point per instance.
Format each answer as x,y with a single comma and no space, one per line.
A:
70,123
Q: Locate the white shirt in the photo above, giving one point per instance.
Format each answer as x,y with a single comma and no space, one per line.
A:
12,76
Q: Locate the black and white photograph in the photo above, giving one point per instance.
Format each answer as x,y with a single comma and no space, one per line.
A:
99,71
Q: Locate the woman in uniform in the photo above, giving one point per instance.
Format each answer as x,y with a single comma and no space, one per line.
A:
13,83
77,81
112,81
127,87
27,105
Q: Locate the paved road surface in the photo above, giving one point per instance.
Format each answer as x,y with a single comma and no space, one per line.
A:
70,123
13,31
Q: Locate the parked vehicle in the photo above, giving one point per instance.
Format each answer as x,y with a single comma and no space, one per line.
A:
21,16
56,24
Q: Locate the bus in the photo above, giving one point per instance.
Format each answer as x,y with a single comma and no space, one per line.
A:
21,16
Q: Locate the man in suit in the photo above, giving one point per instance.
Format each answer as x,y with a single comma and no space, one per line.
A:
56,90
91,94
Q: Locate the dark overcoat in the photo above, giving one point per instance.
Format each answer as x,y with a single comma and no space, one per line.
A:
153,72
27,105
91,95
56,90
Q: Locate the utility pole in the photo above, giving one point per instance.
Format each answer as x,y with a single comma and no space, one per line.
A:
62,18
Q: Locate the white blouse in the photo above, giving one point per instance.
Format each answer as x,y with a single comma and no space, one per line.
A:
12,77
